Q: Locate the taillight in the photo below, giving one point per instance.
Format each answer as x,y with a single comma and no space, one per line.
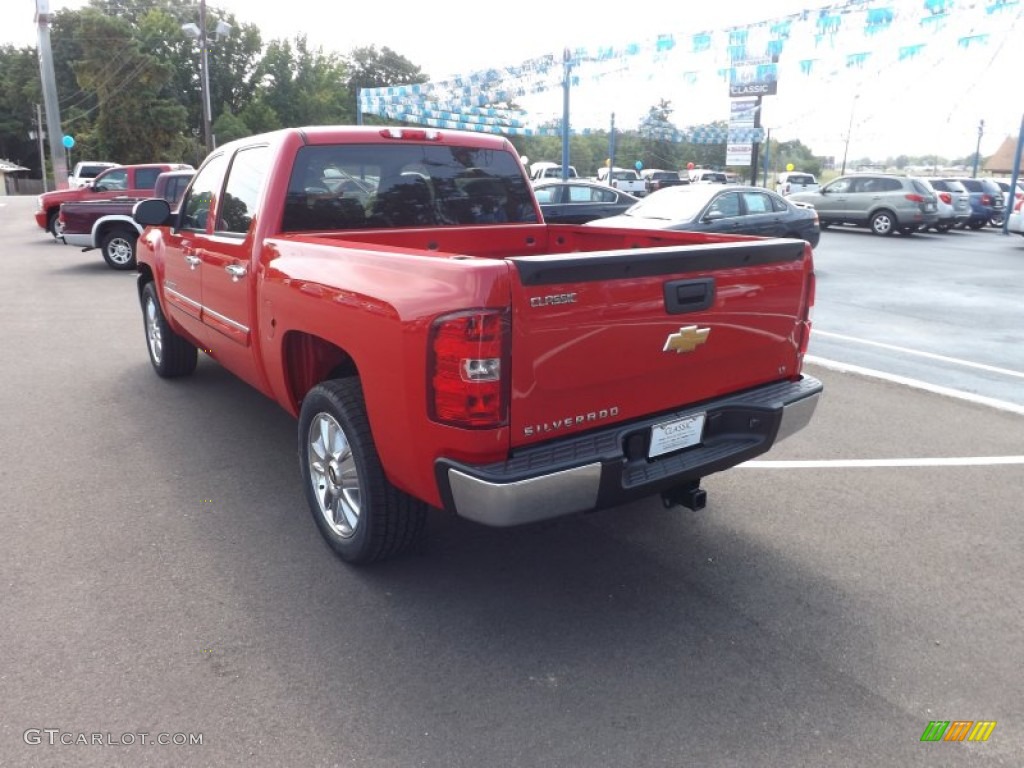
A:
1019,208
946,198
986,199
915,198
469,369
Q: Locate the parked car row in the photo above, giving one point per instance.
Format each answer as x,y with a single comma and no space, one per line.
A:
97,213
888,203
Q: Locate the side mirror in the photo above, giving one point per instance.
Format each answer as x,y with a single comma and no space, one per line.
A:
154,212
713,216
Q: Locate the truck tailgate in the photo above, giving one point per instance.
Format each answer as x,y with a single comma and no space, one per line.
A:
600,338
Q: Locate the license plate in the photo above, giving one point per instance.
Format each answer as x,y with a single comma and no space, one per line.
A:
676,434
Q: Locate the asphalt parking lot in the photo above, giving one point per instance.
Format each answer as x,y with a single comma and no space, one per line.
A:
162,574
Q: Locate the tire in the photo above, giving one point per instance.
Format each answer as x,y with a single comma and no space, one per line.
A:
976,224
118,248
171,355
996,220
52,225
943,227
824,224
362,516
907,231
883,223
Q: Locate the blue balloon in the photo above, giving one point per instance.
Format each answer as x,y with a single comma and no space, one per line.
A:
639,165
69,141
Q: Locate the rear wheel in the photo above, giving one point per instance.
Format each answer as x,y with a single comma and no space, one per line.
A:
996,220
907,231
170,354
358,511
119,248
883,223
976,223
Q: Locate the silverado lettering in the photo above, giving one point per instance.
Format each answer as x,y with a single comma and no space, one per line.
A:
379,284
571,421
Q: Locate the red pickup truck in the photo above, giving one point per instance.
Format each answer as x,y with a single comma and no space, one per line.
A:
397,291
122,180
108,224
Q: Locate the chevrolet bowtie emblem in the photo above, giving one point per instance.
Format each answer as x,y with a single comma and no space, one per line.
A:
687,340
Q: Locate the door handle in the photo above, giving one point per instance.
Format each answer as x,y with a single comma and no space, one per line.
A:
236,271
192,260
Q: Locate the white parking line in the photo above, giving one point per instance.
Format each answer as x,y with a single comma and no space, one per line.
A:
991,402
966,461
919,353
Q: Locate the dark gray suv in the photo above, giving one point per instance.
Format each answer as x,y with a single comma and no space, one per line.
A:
882,202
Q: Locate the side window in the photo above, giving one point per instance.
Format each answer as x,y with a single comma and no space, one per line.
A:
175,189
203,195
841,186
889,185
145,178
756,202
241,193
726,205
579,194
778,204
114,180
545,195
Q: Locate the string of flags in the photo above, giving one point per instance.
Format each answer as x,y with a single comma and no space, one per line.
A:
843,36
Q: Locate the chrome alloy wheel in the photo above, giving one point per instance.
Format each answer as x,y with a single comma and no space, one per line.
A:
153,333
333,473
119,250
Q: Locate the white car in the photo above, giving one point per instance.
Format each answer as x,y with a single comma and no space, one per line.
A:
1004,184
944,201
87,170
796,181
1016,222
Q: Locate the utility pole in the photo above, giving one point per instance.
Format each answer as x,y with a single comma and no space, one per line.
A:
567,57
977,149
42,152
849,130
611,151
49,83
756,144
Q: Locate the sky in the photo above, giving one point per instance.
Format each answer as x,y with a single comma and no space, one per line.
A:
918,88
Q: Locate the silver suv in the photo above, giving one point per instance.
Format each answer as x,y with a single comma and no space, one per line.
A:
882,202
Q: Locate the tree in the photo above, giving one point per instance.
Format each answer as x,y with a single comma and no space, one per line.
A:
304,86
19,94
134,122
369,69
228,127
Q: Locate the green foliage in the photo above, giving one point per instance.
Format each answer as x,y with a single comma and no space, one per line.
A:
228,128
368,68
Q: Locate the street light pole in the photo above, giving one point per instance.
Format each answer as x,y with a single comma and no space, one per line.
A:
977,149
204,66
